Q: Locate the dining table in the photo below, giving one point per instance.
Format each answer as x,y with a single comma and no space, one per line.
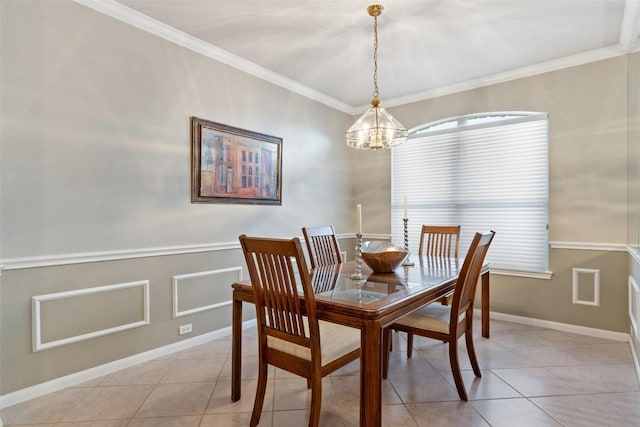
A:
370,304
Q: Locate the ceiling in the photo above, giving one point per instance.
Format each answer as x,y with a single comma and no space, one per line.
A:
324,49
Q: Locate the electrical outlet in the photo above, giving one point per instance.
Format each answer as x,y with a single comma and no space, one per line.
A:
185,329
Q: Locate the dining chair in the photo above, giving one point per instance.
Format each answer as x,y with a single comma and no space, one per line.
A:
290,335
449,323
322,246
441,241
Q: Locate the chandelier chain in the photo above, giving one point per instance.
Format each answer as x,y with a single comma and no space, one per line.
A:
375,56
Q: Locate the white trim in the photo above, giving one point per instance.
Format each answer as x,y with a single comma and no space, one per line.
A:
341,236
150,25
589,246
373,236
638,315
36,327
513,117
564,327
162,30
576,287
117,255
519,73
634,253
177,278
634,318
18,263
109,368
546,275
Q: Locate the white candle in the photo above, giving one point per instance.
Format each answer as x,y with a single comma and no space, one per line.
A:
359,214
405,207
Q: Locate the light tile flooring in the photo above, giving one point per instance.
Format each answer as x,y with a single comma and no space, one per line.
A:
530,377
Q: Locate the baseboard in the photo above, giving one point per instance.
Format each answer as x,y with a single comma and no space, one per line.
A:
76,378
102,370
565,327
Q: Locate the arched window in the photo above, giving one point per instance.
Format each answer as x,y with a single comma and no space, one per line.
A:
486,171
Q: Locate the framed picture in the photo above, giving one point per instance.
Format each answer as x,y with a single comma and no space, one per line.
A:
231,165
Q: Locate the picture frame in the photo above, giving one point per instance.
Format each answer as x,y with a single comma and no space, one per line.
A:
233,165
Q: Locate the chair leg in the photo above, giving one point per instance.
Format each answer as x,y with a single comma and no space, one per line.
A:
409,344
468,337
260,391
455,369
316,400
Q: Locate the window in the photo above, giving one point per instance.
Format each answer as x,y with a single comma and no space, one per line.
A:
484,171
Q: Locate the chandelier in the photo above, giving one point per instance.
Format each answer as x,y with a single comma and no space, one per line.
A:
376,128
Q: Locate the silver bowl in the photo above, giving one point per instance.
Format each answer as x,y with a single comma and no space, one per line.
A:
382,257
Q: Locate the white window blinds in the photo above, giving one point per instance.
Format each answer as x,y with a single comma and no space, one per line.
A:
484,175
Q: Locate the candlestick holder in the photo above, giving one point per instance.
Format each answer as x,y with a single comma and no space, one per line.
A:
407,261
357,274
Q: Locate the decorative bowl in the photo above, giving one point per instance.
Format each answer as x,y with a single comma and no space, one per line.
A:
382,257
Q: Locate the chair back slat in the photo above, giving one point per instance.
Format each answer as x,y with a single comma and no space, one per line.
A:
324,278
440,240
277,285
465,290
322,246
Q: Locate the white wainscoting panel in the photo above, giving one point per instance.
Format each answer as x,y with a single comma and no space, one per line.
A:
176,290
634,306
596,286
37,300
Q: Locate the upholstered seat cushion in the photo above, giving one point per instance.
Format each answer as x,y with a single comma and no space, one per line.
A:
335,341
433,317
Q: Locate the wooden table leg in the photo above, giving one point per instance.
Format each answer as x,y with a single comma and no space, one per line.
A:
485,304
236,348
371,375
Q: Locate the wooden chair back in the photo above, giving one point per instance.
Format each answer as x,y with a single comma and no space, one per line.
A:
289,332
278,270
437,322
440,240
465,291
322,246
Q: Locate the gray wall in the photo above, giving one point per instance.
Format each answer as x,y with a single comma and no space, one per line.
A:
587,108
95,160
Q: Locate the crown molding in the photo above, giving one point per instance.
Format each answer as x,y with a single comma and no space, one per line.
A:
529,71
628,43
155,27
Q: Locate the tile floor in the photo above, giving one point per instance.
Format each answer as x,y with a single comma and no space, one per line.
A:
530,377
